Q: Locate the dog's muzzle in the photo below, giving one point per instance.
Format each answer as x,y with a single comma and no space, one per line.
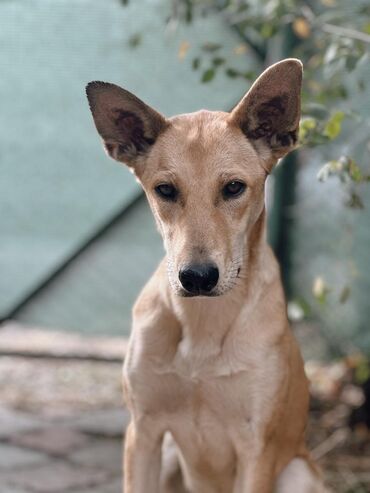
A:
199,279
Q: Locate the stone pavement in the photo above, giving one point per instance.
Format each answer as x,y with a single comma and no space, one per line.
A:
61,414
62,417
77,453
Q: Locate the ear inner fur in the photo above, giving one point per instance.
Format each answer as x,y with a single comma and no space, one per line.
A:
269,113
126,124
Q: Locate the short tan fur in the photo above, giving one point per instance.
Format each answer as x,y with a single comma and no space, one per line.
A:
213,378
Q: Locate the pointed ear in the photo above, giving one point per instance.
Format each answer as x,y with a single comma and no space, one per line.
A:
127,126
269,113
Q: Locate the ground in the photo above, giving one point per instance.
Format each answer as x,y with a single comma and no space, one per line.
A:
61,426
62,417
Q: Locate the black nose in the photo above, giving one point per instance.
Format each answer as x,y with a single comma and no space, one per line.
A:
199,278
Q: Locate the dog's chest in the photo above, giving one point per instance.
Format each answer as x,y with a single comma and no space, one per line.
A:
197,413
205,387
215,409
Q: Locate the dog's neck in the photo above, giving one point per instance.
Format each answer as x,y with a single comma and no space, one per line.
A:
206,321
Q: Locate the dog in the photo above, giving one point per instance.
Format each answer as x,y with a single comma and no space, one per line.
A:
213,376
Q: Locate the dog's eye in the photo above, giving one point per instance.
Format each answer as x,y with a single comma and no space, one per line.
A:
233,189
166,191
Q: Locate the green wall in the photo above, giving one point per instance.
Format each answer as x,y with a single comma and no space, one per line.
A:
57,187
333,241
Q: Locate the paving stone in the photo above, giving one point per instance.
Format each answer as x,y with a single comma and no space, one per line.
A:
11,489
104,453
57,477
63,387
21,339
12,422
11,456
109,423
55,440
112,487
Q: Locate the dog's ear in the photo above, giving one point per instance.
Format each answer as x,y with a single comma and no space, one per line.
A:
127,126
269,113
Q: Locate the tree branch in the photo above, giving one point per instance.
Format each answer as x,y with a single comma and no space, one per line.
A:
346,32
259,51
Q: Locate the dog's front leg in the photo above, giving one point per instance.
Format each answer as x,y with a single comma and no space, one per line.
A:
255,475
142,459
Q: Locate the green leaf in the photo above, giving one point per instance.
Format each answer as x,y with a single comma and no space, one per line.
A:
344,295
135,40
249,75
355,172
189,13
196,63
217,61
361,85
333,126
211,47
208,75
305,127
232,73
351,62
362,372
308,123
355,201
267,30
366,28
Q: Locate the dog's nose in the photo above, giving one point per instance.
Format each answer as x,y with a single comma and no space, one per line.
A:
199,278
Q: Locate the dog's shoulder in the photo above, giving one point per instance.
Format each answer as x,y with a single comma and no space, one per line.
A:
153,298
155,328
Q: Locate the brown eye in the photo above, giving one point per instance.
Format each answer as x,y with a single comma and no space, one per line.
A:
233,189
166,191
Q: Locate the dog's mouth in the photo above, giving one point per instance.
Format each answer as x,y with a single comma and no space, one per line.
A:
185,294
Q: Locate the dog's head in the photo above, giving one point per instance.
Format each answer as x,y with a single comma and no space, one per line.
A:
204,172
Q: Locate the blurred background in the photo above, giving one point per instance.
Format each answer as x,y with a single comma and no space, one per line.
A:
78,241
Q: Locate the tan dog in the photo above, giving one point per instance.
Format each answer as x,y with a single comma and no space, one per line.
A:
213,370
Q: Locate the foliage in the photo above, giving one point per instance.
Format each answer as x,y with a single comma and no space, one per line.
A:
332,37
